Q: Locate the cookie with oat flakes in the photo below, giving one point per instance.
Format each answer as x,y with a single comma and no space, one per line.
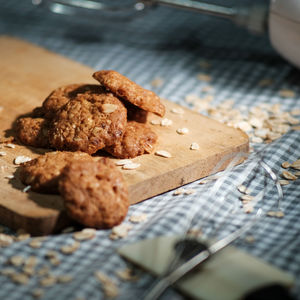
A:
33,132
130,91
138,139
95,194
62,95
43,172
88,123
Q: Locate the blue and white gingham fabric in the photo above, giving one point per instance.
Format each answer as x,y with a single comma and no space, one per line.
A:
168,44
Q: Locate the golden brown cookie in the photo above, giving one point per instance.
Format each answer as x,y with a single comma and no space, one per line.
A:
33,132
130,91
137,140
95,193
43,172
60,96
88,123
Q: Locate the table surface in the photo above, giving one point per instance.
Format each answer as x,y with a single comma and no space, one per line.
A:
172,46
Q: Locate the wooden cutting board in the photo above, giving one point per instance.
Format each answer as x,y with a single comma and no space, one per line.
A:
29,73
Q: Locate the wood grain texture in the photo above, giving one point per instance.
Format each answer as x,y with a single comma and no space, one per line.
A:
29,74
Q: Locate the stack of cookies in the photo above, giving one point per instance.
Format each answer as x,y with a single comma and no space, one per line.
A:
78,120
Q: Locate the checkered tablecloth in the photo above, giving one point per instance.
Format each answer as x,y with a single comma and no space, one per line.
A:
169,44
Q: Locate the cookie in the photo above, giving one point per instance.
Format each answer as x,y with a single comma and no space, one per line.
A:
138,139
62,95
33,132
135,113
95,194
88,123
43,172
130,91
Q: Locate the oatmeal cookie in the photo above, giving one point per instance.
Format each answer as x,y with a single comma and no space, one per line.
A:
43,172
33,132
95,193
135,113
62,95
130,91
137,140
88,123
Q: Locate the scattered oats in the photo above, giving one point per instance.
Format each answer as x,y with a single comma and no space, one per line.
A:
127,275
45,270
157,82
189,191
108,108
35,244
296,164
265,82
163,153
109,287
295,112
276,214
138,218
243,125
68,229
9,145
16,260
37,293
284,182
123,162
69,249
195,232
297,173
273,135
257,140
48,281
262,133
131,166
285,93
64,278
166,122
19,278
120,231
55,261
178,192
292,121
182,130
250,239
248,208
28,271
204,77
31,261
26,189
21,159
155,122
296,128
285,164
246,197
7,272
5,240
288,175
194,146
243,189
256,122
85,234
2,153
177,110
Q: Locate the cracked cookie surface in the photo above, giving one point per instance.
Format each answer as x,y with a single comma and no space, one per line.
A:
43,172
88,123
95,194
62,95
130,91
138,139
